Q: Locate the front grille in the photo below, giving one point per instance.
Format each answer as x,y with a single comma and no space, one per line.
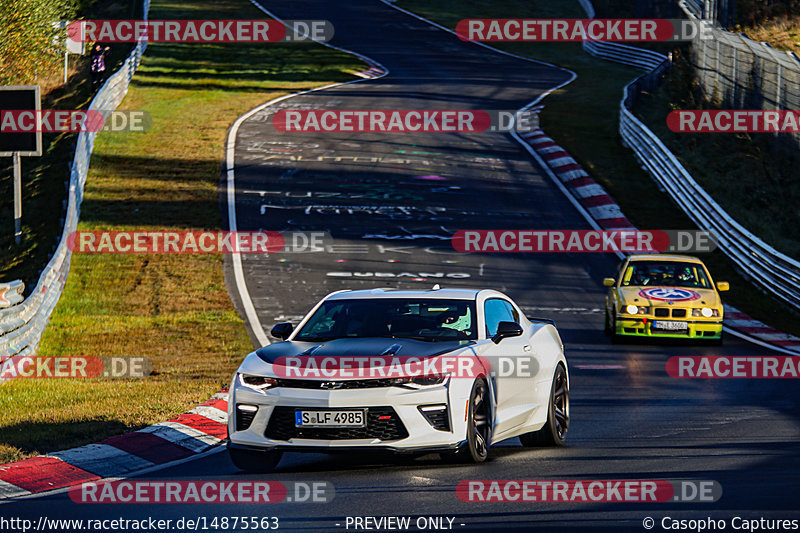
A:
281,427
665,312
244,419
333,385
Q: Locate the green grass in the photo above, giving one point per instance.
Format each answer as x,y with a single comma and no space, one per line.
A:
172,309
583,117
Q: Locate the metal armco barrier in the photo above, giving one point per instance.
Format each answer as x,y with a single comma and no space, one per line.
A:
774,272
22,325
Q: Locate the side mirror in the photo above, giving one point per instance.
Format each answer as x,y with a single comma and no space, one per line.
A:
723,286
506,329
608,282
282,330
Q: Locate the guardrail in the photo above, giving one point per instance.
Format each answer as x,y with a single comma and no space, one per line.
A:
741,73
22,325
774,272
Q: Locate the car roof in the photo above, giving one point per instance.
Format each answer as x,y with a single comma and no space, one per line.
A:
665,257
439,294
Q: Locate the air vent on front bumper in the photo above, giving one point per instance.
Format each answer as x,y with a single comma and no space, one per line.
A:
244,416
437,416
382,423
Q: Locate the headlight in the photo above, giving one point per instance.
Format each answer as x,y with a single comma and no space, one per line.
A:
419,382
637,309
259,383
705,311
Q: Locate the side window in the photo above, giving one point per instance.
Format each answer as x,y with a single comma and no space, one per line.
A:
496,311
513,311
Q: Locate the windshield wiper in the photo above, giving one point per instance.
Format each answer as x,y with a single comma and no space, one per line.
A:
317,339
413,337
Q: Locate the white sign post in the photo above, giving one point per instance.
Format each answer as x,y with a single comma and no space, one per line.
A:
17,144
70,46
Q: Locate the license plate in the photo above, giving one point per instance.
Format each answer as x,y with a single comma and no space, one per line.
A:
671,325
329,419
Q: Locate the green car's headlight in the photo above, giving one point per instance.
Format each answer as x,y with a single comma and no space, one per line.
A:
637,309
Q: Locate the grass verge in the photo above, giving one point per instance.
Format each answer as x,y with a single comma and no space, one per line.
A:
172,309
583,117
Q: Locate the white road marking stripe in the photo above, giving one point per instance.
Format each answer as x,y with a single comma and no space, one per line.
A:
539,140
7,490
601,212
561,162
177,433
588,191
212,413
102,459
570,175
549,149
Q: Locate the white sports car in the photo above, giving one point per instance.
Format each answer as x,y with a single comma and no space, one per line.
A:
445,370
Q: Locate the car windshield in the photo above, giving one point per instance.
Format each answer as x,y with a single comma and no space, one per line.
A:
665,273
422,319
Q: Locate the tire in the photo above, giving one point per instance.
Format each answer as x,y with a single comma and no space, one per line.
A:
479,428
607,328
554,431
612,331
254,461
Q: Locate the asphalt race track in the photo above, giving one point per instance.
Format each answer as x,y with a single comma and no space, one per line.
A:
390,203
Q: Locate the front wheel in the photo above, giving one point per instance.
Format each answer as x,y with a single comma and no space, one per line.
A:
254,461
554,431
479,427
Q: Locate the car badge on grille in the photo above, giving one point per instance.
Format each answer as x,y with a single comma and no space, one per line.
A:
331,385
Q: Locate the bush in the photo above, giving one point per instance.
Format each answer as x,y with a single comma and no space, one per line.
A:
28,40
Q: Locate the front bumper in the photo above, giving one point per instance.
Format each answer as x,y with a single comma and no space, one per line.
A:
418,433
643,327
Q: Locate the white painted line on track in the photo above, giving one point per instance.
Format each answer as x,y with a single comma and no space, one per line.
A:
244,294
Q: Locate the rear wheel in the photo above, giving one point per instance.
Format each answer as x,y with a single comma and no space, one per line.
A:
479,427
554,432
254,461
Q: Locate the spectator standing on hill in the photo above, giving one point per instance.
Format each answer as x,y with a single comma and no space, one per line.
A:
99,54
